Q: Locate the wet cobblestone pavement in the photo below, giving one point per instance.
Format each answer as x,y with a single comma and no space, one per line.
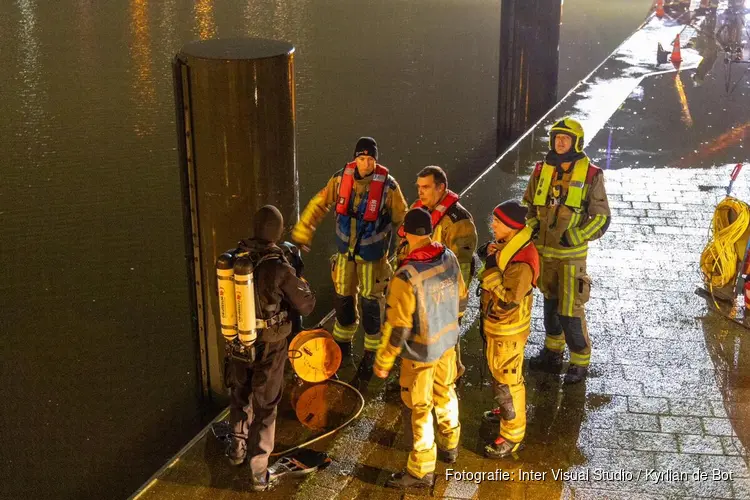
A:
665,411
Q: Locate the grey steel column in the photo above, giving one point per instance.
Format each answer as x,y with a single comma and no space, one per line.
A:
529,59
235,134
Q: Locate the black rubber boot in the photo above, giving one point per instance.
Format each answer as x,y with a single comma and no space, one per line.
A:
364,370
236,450
265,482
403,480
576,374
502,448
448,456
492,416
505,411
346,348
547,361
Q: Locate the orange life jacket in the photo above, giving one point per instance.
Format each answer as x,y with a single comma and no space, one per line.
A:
438,212
530,256
374,196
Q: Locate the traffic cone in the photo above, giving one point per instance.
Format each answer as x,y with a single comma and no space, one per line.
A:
659,8
676,57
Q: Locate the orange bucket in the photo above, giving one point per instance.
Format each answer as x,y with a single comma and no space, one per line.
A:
314,355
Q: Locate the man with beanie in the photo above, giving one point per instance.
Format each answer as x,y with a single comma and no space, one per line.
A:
568,207
507,282
255,387
368,201
452,225
421,324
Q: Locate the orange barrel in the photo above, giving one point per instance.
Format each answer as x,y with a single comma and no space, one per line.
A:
314,355
311,406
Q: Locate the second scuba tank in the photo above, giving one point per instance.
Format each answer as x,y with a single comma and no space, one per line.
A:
244,289
227,304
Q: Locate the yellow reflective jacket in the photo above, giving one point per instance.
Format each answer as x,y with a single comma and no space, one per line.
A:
568,209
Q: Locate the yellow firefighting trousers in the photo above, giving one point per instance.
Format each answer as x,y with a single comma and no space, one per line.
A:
505,359
425,386
566,288
368,280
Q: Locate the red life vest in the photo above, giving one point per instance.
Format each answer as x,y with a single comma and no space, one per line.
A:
374,196
530,256
438,212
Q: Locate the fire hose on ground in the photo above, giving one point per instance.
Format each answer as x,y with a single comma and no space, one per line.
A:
721,255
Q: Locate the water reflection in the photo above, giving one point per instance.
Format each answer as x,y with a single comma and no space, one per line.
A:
168,23
85,30
730,38
204,19
30,95
729,348
687,119
736,135
143,83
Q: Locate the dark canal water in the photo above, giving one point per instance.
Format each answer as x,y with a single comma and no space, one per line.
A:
97,361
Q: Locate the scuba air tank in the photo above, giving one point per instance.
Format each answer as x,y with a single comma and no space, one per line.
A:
227,305
236,288
244,290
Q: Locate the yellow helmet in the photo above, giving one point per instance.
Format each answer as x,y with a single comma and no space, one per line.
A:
571,127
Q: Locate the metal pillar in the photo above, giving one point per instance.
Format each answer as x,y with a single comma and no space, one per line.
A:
529,58
235,134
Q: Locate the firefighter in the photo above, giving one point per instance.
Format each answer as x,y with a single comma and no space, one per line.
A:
707,47
507,282
423,303
368,201
567,208
452,225
256,386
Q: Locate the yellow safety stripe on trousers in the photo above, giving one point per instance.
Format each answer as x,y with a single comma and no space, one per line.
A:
554,343
594,225
344,333
448,443
563,253
372,342
515,435
493,328
340,275
419,469
569,289
580,359
364,271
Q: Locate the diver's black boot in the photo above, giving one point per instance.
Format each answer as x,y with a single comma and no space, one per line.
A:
547,361
575,374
